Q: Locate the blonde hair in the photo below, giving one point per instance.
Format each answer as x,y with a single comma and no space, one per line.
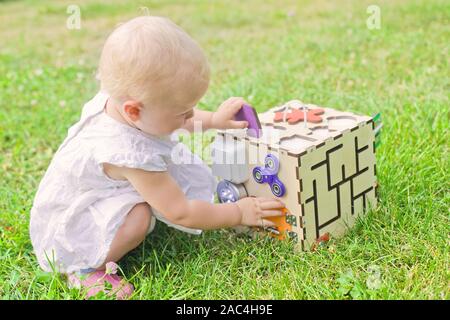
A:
149,59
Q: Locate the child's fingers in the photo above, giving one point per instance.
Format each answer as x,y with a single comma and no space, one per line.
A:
266,223
272,213
262,199
232,101
266,199
238,124
236,104
267,205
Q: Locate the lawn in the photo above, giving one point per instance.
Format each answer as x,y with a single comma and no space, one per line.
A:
268,52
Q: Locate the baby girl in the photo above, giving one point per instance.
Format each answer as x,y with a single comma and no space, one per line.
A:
114,174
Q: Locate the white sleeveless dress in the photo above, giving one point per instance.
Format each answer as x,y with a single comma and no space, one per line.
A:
78,209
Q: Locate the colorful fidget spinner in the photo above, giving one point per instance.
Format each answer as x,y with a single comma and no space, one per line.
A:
268,174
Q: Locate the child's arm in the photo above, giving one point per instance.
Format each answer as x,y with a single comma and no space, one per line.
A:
199,115
223,118
162,193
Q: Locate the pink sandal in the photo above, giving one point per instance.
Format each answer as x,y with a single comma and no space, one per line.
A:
95,282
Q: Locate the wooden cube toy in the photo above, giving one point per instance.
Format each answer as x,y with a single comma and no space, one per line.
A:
323,169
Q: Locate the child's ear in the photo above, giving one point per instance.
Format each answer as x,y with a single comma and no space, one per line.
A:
132,109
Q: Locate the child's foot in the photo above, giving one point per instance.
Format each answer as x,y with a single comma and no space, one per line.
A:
102,280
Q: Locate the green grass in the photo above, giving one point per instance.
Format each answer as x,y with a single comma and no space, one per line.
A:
268,52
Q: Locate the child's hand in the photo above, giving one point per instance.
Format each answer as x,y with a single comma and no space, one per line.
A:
223,118
254,210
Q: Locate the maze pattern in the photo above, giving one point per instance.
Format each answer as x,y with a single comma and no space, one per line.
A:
337,182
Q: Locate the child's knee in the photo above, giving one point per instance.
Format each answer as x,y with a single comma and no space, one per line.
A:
141,216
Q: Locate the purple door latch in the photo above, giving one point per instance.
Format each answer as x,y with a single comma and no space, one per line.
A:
248,113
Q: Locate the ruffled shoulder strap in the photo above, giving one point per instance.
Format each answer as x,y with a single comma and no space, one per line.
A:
90,109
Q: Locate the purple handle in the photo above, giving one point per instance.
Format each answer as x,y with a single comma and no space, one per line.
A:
248,113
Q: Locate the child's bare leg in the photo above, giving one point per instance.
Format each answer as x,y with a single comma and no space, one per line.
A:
131,233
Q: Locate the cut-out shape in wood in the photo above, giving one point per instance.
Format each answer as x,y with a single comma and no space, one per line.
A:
341,122
321,132
297,142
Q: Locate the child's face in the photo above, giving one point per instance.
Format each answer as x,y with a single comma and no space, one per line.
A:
165,119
